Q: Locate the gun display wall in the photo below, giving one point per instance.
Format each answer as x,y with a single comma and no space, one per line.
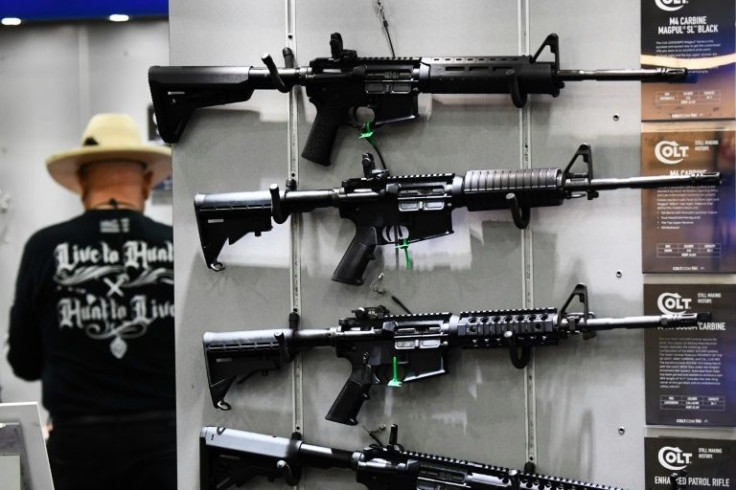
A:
246,139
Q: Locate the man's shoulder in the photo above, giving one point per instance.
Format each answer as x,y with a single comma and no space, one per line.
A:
156,228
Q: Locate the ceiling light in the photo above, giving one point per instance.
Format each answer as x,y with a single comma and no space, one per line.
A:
11,21
119,18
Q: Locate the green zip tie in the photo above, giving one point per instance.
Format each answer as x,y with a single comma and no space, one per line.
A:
395,381
404,245
366,132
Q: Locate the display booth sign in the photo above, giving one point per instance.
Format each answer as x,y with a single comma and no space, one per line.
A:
697,35
690,372
689,229
698,464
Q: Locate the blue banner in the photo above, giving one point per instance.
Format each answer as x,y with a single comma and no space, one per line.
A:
54,10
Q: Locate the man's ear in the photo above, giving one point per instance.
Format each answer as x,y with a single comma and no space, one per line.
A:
84,188
147,184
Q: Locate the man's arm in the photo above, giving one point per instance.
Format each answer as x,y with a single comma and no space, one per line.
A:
25,350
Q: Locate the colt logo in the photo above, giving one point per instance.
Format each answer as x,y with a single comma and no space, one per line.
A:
670,153
670,5
673,303
673,458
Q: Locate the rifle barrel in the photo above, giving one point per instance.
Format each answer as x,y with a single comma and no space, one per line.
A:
706,178
648,321
642,74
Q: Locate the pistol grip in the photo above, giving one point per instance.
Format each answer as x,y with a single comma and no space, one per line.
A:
322,135
355,391
352,266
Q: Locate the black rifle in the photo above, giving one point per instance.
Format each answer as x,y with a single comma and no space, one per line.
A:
339,85
230,458
385,349
407,208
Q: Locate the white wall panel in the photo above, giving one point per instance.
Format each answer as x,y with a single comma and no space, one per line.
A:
585,390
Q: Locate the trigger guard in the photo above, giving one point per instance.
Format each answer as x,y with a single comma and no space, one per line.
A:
355,122
384,374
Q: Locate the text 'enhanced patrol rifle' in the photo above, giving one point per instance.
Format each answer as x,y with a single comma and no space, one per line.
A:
385,349
341,84
230,458
405,209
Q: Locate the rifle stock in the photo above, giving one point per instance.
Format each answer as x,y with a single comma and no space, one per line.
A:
344,82
230,458
228,217
385,349
177,91
387,209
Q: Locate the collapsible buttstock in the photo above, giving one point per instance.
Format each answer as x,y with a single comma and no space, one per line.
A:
230,458
218,390
233,355
227,218
177,90
171,119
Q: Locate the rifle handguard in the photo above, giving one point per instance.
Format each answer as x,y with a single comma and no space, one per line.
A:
488,189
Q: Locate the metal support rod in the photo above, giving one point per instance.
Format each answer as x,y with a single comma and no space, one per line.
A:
295,262
527,250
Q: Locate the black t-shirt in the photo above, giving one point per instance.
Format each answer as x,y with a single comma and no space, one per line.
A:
93,316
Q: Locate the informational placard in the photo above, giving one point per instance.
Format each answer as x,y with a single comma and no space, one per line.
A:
706,464
693,34
689,229
690,372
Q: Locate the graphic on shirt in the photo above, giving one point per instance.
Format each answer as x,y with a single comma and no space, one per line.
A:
101,285
113,225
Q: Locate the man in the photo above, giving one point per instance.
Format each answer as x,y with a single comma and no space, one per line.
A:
93,317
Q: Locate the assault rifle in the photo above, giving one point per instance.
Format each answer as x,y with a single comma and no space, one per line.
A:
407,208
341,84
385,349
230,458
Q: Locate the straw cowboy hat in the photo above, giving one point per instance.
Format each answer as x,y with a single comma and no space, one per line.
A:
109,137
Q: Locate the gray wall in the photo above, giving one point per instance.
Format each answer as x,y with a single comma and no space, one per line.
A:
54,78
567,408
